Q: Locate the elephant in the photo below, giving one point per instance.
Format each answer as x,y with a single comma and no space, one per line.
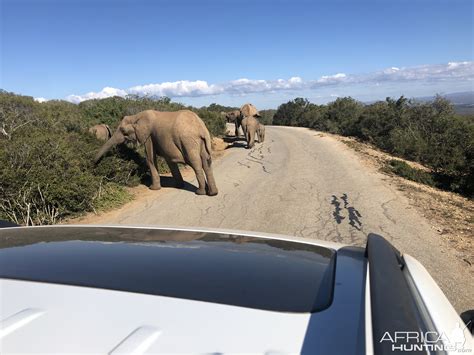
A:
101,132
249,120
261,132
178,137
250,126
234,117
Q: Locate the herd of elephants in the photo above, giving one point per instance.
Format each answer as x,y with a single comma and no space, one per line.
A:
178,137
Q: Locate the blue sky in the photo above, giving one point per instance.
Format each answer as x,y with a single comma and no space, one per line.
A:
230,52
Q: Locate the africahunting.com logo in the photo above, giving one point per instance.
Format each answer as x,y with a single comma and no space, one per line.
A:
429,341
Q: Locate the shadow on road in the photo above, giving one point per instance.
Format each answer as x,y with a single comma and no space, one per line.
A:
353,214
169,182
235,142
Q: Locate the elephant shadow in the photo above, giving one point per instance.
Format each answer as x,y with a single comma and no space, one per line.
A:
235,142
166,181
169,182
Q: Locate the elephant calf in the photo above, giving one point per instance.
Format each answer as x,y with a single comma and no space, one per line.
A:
250,126
179,137
101,132
250,123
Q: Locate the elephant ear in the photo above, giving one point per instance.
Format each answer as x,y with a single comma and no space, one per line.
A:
109,131
142,130
127,129
255,111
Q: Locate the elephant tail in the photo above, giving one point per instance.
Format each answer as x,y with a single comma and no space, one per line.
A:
207,144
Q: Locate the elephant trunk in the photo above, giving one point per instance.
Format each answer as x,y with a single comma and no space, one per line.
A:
112,142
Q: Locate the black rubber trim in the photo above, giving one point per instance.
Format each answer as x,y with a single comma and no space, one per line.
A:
393,306
468,319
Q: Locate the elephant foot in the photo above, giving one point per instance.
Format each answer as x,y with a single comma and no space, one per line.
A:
200,192
155,187
212,193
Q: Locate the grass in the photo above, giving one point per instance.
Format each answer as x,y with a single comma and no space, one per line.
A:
111,196
404,170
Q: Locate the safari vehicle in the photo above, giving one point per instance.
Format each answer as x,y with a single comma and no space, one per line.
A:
120,290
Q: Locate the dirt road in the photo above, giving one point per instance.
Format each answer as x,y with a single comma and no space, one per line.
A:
305,184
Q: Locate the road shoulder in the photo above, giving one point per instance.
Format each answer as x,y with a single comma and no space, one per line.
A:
449,214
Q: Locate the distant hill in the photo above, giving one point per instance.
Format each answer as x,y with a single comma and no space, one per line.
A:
463,101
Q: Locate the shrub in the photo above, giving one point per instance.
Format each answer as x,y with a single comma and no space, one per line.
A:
48,175
404,170
267,116
214,121
345,114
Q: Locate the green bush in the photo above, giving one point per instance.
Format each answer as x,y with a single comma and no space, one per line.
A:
48,175
214,121
110,196
267,116
404,170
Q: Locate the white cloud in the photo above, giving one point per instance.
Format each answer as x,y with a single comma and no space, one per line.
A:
295,80
332,78
40,99
428,73
391,70
104,93
452,71
176,89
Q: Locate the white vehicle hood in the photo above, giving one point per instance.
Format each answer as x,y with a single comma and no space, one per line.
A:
57,319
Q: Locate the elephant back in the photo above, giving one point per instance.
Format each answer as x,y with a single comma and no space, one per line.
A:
250,121
249,110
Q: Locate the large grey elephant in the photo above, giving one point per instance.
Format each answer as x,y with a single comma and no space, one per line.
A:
249,120
101,132
179,137
234,117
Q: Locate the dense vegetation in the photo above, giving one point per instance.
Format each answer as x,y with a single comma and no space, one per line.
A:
430,133
47,173
267,116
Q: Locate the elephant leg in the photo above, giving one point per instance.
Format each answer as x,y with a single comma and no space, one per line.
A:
197,167
237,125
176,173
193,157
150,159
252,138
206,165
250,135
